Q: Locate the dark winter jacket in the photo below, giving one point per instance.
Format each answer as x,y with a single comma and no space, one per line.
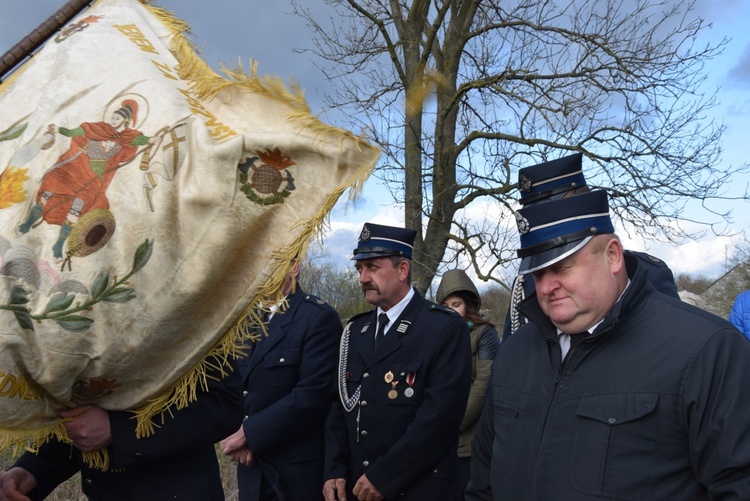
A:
652,405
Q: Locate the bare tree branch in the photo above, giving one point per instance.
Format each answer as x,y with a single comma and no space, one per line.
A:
518,82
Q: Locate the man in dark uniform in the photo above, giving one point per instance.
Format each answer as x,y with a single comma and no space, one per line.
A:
177,462
289,383
554,180
404,376
612,390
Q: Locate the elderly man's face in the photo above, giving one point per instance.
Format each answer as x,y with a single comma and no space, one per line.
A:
578,291
382,283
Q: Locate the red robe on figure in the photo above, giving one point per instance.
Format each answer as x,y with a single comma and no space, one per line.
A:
96,152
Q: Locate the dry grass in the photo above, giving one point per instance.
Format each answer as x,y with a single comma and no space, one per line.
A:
71,490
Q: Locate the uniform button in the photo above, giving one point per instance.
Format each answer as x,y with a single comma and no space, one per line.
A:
363,403
88,481
612,420
138,454
244,418
436,470
365,464
282,360
364,433
244,393
366,375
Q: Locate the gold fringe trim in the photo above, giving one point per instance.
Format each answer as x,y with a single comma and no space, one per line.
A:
205,84
19,441
97,459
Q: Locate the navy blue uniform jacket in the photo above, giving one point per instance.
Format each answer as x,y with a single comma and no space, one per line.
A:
405,445
289,382
177,462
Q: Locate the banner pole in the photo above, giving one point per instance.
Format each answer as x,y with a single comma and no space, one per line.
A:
31,42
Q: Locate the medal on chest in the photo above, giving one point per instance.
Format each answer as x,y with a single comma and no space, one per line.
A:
409,391
392,393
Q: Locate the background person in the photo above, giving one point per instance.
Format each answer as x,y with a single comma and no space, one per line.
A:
458,292
740,314
612,390
404,375
289,381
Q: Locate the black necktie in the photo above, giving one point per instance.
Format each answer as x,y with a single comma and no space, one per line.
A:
382,322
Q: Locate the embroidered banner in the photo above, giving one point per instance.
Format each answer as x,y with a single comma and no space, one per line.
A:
145,203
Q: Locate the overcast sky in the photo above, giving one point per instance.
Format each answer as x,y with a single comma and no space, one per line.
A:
229,31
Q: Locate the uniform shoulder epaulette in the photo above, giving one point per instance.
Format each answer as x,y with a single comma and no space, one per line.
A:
444,309
358,316
316,301
646,257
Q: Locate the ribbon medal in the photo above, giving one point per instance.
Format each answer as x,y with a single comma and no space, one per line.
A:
409,391
392,393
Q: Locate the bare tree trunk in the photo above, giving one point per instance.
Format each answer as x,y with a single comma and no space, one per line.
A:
521,83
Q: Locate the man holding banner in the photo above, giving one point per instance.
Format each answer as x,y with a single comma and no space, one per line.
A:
177,462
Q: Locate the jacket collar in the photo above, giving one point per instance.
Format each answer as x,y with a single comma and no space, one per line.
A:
640,288
392,340
276,328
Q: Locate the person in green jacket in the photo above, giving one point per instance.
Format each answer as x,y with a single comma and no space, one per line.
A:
459,293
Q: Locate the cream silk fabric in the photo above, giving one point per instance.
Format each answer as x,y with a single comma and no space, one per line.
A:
145,202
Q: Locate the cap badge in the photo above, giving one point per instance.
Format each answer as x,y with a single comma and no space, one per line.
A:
365,235
522,223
